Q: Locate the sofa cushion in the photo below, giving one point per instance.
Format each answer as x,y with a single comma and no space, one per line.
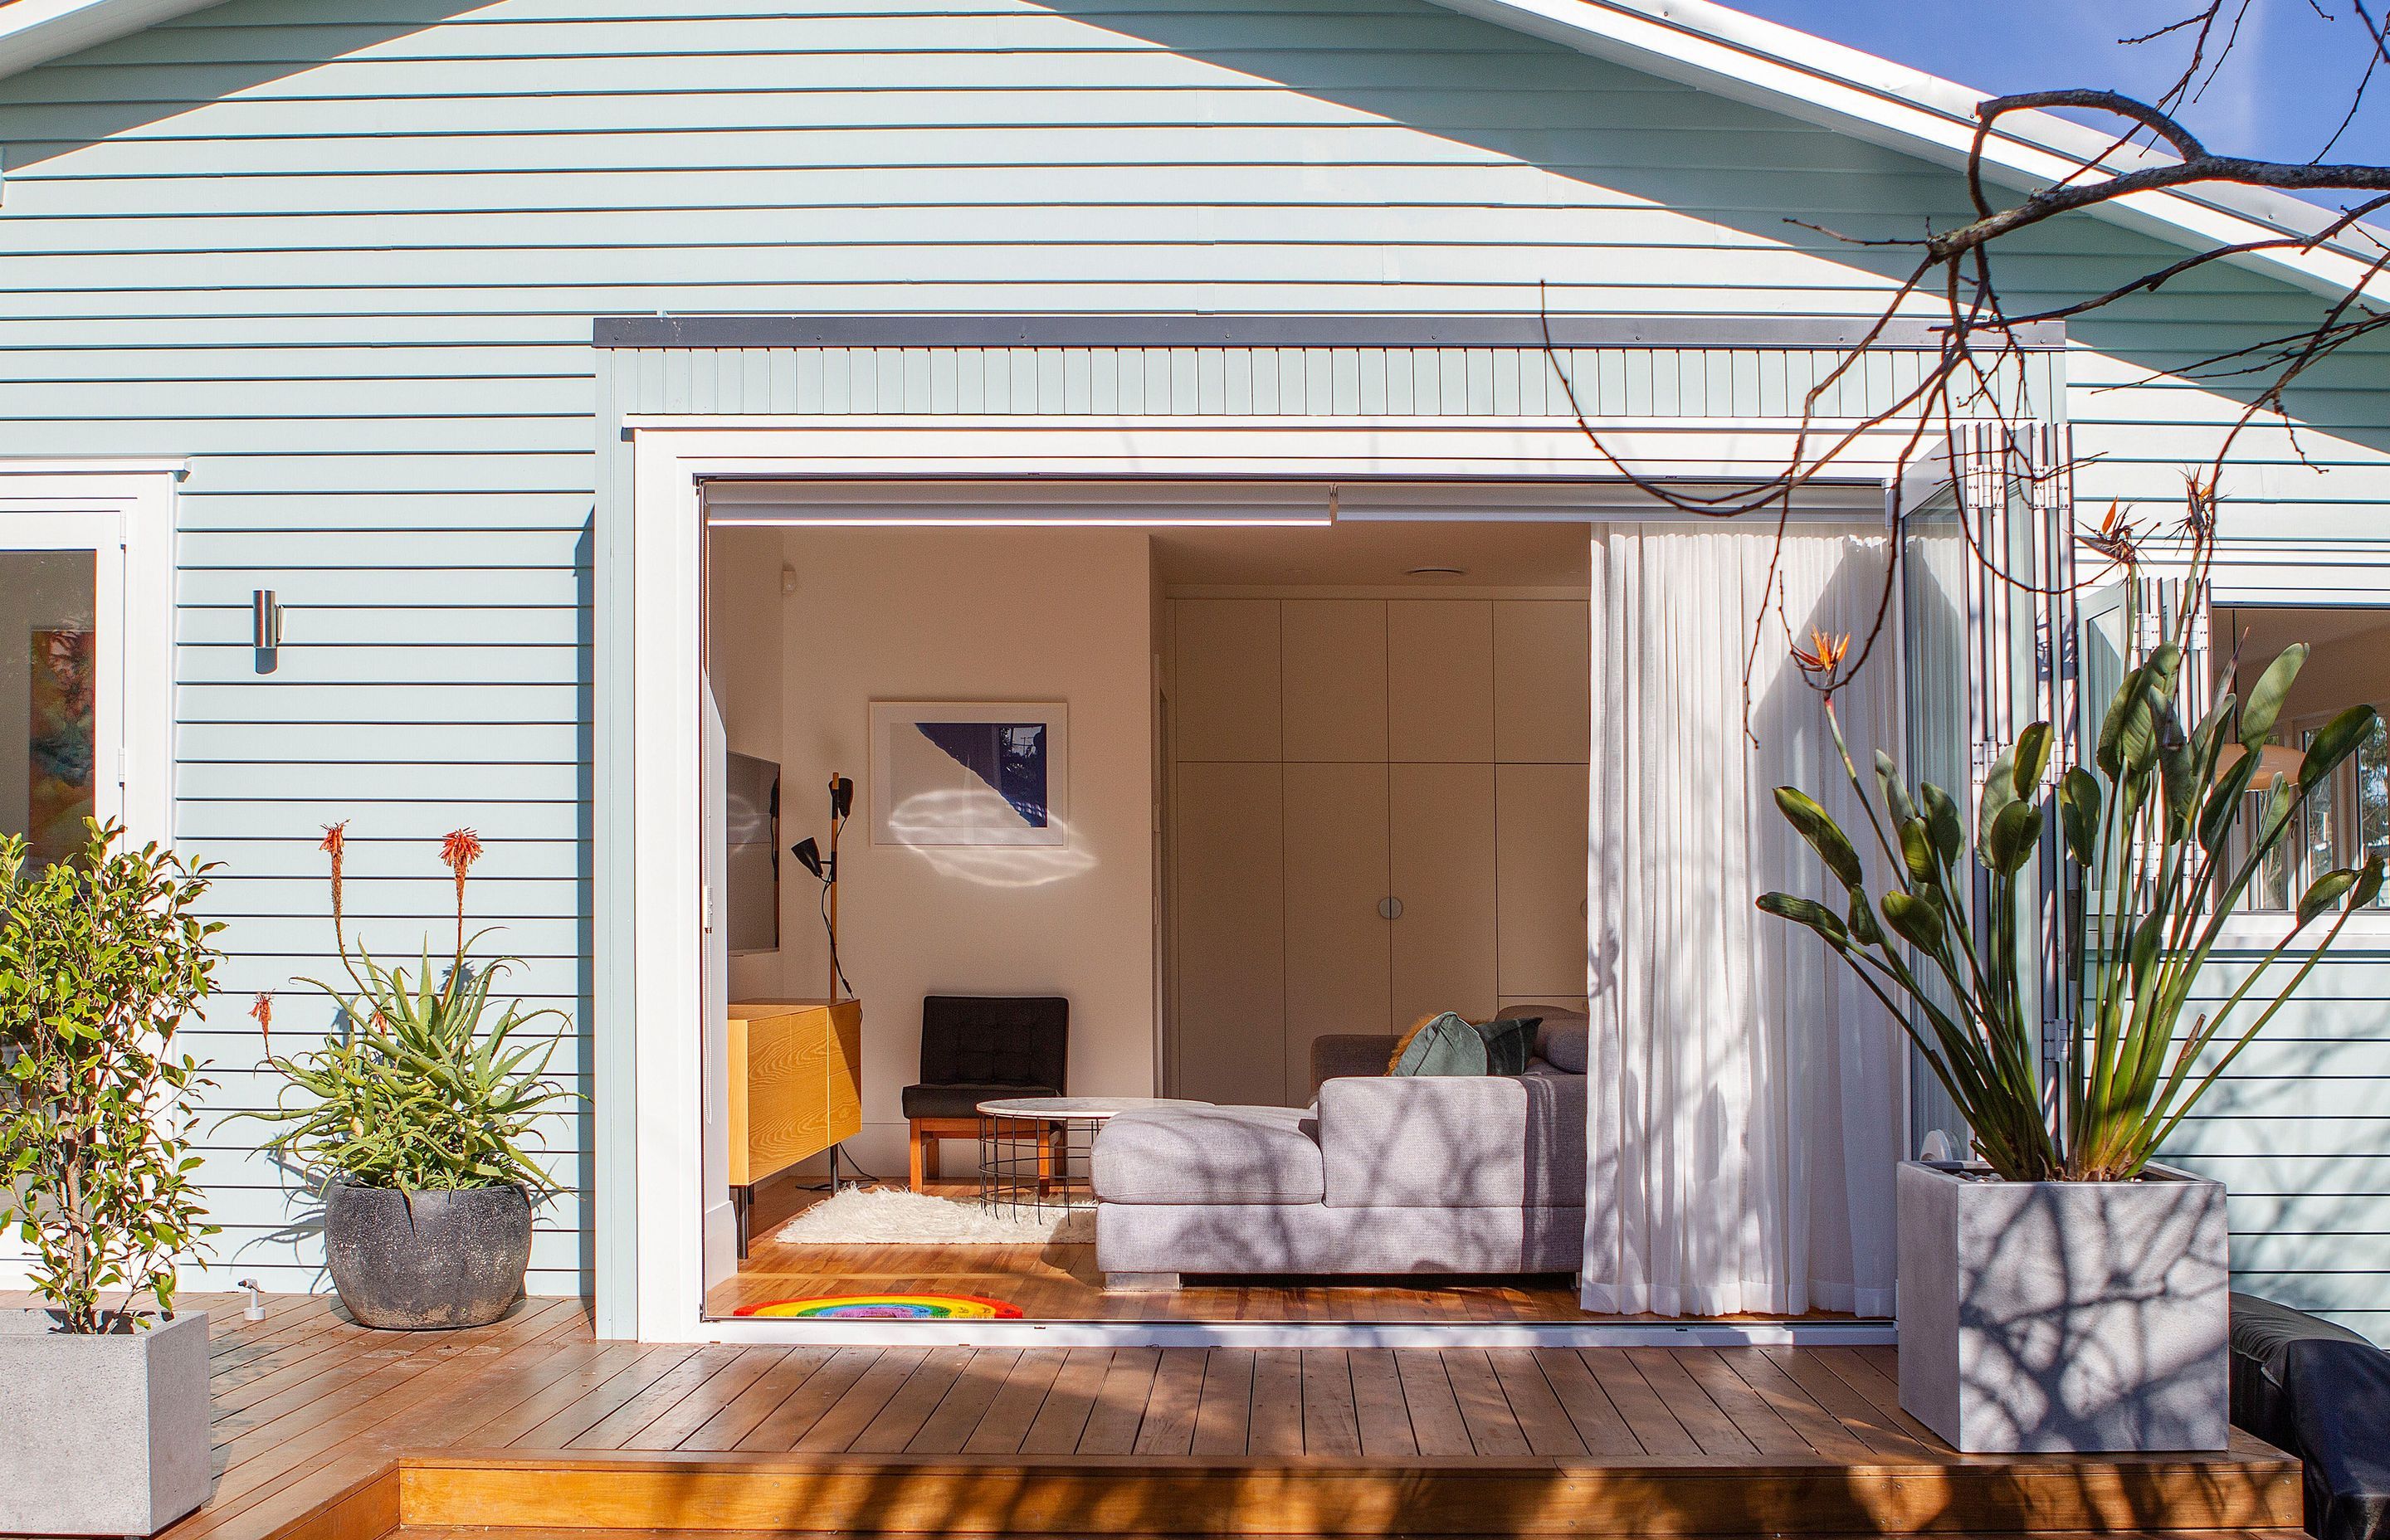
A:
1446,1044
1208,1155
1566,1039
962,1100
1491,1141
1563,1036
1350,1053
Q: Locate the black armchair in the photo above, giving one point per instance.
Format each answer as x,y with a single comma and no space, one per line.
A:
975,1048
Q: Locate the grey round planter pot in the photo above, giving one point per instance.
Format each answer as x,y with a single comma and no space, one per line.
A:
427,1261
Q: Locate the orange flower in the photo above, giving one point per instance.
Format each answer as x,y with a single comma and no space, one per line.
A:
2115,539
458,853
335,845
1823,655
262,1009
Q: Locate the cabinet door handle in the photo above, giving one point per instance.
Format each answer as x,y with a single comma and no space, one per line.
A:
1390,908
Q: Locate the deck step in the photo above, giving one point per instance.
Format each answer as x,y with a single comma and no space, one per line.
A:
1005,1495
420,1531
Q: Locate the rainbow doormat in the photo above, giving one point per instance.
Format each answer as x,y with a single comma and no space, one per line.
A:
884,1307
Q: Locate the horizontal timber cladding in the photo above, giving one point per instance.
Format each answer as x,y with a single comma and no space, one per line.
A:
347,258
1275,382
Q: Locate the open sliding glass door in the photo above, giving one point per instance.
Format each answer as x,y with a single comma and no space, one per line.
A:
1988,645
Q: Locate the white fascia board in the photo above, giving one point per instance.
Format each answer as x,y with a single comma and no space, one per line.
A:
35,31
1763,64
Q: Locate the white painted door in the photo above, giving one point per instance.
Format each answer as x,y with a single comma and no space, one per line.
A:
721,1220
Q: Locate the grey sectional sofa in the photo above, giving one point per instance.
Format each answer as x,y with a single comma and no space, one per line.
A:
1382,1174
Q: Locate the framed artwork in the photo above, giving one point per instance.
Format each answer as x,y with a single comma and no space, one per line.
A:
957,772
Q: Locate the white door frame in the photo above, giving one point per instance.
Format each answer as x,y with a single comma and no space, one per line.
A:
123,511
673,457
126,510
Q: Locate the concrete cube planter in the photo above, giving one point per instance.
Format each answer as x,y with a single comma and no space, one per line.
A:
105,1435
2077,1316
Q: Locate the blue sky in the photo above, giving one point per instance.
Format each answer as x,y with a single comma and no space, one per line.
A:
2283,89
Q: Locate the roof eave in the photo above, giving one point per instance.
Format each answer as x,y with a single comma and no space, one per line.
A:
35,31
1762,64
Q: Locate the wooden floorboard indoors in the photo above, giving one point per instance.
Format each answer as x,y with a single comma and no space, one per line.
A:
529,1428
1061,1282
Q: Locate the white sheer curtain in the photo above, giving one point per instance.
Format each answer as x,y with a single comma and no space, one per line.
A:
1746,1092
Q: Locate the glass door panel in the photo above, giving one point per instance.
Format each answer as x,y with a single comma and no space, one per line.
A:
61,674
1940,738
58,700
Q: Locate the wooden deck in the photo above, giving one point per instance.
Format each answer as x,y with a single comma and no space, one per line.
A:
328,1431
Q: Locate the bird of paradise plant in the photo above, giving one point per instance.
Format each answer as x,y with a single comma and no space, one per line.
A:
2160,828
420,1086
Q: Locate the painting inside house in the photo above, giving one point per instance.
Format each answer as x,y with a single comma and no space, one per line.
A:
48,694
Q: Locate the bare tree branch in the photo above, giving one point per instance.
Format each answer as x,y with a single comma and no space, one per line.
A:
1976,380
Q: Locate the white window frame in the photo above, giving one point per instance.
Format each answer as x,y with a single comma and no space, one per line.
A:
673,457
2240,582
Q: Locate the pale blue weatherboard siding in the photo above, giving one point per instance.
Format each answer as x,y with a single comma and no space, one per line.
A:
346,257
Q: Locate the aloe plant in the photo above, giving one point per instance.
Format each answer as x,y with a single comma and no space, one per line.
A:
421,1086
2160,845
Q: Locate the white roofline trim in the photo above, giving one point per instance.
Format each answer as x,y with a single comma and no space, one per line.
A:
35,31
1715,48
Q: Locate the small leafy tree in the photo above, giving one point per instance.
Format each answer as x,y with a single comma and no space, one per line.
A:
2154,833
420,1086
100,959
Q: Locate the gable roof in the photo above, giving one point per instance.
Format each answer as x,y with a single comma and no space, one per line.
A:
1695,42
1732,54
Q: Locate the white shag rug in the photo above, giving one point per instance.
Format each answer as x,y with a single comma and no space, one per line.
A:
892,1216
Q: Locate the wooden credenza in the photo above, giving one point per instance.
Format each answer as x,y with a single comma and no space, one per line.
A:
795,1087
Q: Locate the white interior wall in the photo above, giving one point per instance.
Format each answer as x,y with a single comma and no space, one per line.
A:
943,614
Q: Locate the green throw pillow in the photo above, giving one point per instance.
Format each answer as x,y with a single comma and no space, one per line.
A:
1450,1046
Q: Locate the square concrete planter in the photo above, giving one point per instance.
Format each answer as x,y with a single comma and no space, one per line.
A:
2080,1316
106,1435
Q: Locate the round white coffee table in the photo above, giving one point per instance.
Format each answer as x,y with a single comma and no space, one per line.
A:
1034,1151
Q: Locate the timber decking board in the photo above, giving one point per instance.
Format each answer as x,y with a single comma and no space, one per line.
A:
1085,1441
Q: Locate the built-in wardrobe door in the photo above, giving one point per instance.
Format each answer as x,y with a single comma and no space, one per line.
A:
1230,1026
1333,668
1226,672
1338,943
1439,657
1539,811
1440,824
1543,699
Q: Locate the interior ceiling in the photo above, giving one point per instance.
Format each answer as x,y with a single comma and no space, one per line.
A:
2264,630
1377,554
